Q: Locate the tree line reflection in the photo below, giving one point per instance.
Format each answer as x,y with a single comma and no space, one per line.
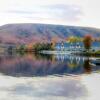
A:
43,65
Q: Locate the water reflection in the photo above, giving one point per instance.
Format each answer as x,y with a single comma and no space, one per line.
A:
44,88
69,89
43,65
87,66
78,87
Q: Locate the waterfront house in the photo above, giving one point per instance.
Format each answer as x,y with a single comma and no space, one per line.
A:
79,46
62,46
95,45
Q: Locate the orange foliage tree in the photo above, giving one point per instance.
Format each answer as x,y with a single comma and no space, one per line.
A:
87,40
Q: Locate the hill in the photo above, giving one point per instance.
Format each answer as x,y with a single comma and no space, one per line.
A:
31,33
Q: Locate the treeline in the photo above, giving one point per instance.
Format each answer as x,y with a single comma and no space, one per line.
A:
35,47
42,46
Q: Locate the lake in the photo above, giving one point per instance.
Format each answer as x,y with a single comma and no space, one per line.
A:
48,77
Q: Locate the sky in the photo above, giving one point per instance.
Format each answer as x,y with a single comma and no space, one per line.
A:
64,12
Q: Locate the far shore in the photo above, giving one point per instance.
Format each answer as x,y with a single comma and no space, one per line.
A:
55,52
71,52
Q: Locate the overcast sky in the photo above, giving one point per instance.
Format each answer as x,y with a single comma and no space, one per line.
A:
68,12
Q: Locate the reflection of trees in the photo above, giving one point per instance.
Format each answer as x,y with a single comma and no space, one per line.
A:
87,66
41,64
42,56
72,63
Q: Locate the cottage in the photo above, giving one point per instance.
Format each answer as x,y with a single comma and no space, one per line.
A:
95,45
62,46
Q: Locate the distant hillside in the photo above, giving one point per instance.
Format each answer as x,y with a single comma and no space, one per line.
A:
31,33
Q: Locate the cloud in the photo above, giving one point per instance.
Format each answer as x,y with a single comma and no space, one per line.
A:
31,88
66,12
52,12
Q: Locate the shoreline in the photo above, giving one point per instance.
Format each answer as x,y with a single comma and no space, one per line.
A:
71,53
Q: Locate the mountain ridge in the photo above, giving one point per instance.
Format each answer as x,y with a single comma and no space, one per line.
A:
32,33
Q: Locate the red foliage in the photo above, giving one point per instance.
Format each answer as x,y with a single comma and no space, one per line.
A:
87,41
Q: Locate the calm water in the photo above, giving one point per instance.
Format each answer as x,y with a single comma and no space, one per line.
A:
48,77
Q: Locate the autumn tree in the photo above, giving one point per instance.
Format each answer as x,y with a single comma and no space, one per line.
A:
42,46
87,40
22,48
